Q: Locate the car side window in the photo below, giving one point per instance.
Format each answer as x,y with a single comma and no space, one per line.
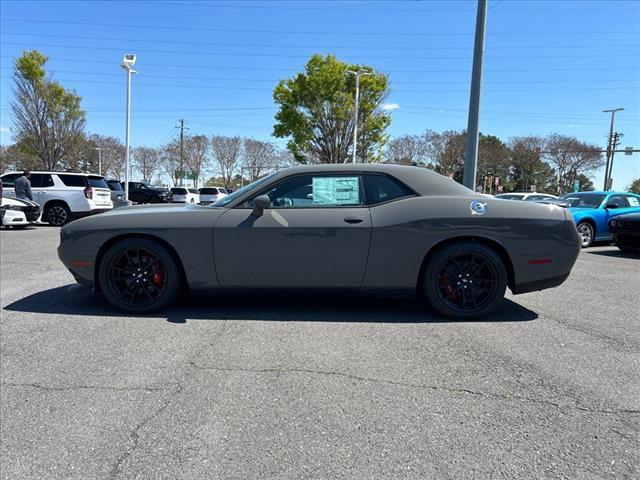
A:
383,188
633,201
617,200
72,180
41,180
315,191
10,180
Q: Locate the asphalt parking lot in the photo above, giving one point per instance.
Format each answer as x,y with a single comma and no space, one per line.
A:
283,387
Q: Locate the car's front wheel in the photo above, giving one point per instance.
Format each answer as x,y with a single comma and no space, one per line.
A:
139,275
585,230
465,280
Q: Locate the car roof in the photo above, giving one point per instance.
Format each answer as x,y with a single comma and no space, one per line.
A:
56,173
423,180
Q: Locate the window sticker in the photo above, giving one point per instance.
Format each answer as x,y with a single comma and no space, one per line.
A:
633,201
336,190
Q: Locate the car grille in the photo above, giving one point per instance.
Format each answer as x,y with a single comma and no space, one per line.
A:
31,213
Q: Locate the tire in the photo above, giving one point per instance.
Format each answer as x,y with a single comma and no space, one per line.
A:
452,270
57,214
139,275
587,234
155,199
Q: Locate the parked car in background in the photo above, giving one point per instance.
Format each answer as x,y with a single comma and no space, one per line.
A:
389,229
625,231
140,192
64,196
185,195
211,194
527,196
117,192
592,212
18,213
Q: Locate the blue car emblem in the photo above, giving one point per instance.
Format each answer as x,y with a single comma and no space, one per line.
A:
478,208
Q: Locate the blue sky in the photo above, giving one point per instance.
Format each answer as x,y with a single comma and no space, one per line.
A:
549,66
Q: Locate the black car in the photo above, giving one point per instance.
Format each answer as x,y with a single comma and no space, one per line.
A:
142,193
625,231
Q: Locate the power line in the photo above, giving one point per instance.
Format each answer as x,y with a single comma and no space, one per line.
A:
275,80
289,45
308,32
283,69
279,55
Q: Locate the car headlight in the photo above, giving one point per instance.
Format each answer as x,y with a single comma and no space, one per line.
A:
13,207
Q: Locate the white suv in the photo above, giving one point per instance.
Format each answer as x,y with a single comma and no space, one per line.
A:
64,196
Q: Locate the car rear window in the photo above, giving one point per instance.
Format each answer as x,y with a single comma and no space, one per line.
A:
508,196
9,180
97,182
179,191
73,180
208,191
115,185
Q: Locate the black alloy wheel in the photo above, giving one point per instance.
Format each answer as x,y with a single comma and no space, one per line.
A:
465,280
139,275
58,214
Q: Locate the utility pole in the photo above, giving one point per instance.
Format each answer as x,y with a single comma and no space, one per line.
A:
358,74
471,152
128,62
182,127
610,147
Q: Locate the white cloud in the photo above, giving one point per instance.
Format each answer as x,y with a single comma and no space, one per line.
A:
3,128
573,125
389,107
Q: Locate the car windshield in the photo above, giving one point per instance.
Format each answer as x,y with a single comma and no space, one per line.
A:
510,196
179,191
583,200
224,201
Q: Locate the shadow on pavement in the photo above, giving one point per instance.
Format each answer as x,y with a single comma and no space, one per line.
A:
615,253
79,300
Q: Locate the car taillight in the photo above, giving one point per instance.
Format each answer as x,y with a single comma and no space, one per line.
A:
88,192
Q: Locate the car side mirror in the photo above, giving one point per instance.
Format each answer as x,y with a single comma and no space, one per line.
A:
260,203
610,205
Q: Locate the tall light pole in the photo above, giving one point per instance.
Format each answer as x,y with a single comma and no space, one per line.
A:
358,74
471,152
100,158
610,146
128,62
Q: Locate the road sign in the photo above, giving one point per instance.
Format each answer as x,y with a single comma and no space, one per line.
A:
500,188
497,180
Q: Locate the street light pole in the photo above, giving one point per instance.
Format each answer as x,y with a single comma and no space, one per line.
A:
100,158
471,152
610,146
358,74
128,62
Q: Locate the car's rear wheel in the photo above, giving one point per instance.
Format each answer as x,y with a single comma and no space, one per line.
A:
57,214
156,199
586,232
139,275
465,280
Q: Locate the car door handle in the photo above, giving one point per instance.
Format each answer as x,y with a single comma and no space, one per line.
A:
353,219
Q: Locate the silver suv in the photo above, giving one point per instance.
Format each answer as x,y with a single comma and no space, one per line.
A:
64,196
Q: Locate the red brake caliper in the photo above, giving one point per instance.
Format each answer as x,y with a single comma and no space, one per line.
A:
158,275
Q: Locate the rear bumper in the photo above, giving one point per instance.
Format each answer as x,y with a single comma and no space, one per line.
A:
542,284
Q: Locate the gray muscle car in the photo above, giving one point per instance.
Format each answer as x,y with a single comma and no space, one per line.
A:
368,227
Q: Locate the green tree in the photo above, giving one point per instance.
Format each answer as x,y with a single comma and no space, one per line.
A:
527,167
316,112
48,120
493,159
446,152
635,186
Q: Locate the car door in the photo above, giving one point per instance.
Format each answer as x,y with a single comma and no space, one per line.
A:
316,233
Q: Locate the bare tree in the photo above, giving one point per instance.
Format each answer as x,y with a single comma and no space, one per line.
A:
196,152
147,162
48,120
407,150
170,160
112,154
226,151
258,157
446,152
571,158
